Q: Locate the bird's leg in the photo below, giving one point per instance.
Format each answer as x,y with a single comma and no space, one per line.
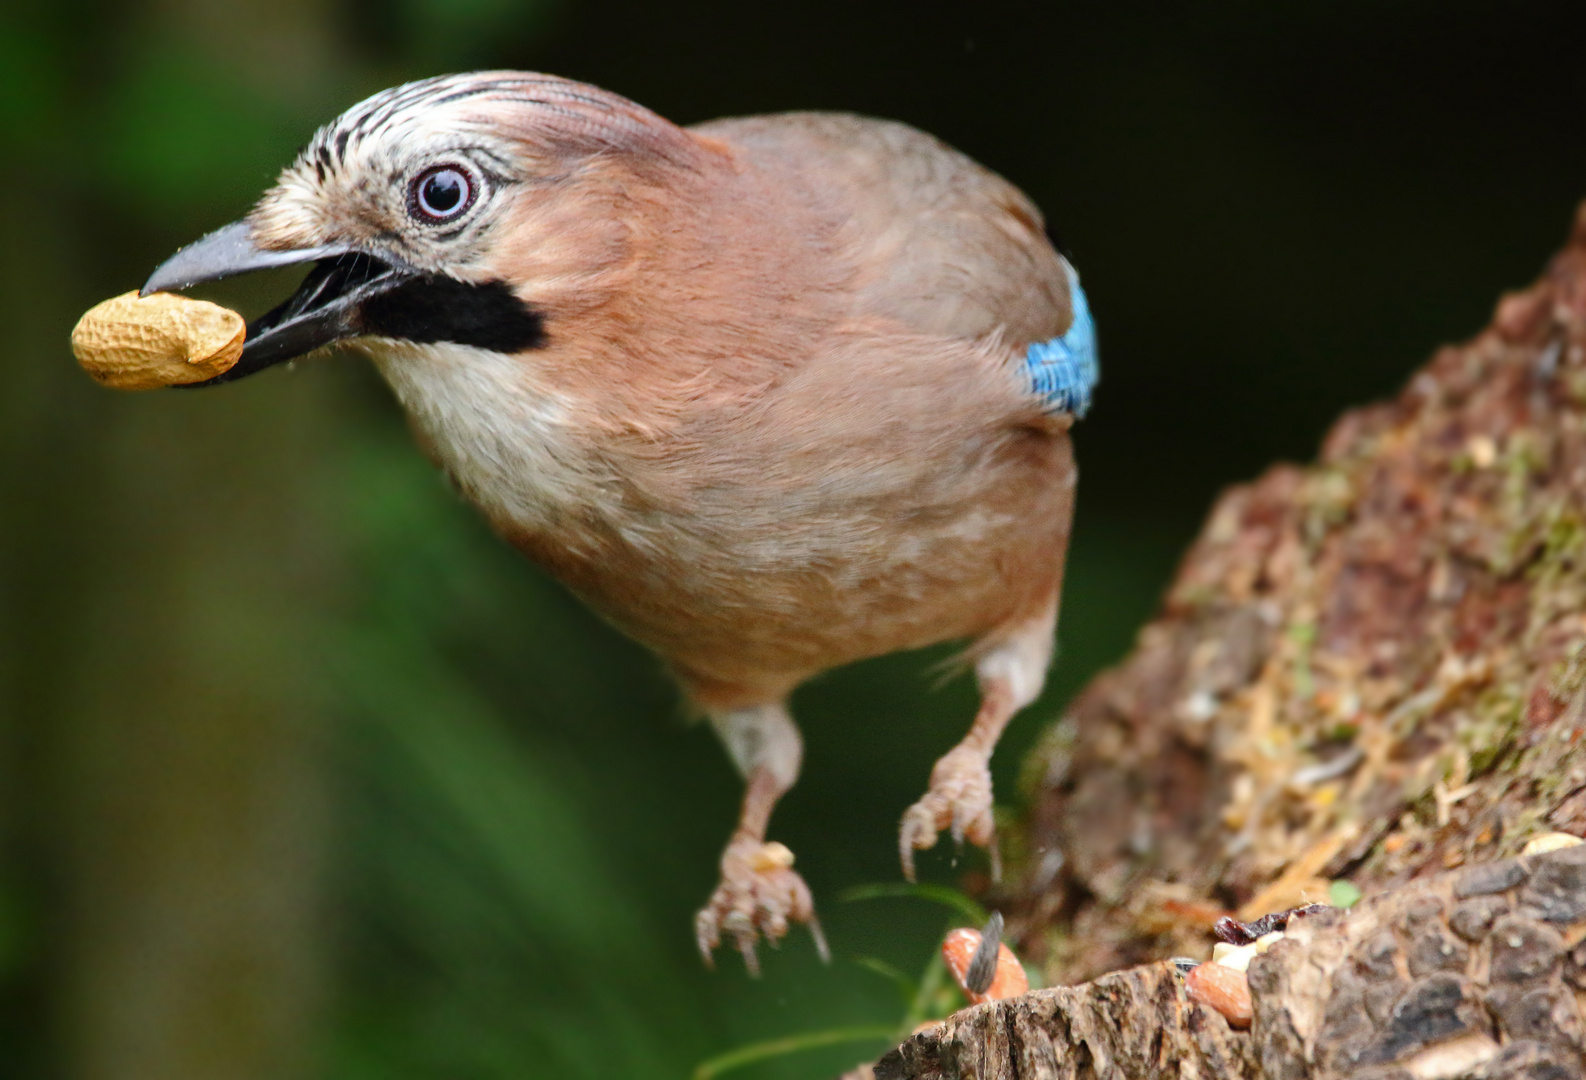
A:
1011,676
959,796
760,892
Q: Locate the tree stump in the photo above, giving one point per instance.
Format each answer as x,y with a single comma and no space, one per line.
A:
1479,974
1370,669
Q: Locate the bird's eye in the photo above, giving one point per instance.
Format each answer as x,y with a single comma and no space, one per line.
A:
440,193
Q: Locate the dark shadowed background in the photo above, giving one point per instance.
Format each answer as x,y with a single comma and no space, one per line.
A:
302,773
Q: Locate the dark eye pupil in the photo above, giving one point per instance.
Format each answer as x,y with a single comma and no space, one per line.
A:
443,192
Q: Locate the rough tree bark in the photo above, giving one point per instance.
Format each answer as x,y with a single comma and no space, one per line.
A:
1372,668
1479,974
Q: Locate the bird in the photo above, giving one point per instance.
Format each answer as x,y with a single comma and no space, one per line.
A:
771,394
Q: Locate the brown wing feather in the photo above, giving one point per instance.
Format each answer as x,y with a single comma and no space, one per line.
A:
934,239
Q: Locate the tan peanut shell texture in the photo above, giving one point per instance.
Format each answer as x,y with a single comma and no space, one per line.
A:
141,343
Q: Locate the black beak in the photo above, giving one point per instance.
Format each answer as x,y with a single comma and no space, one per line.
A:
325,308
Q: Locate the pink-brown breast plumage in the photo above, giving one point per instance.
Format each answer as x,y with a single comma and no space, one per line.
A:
790,382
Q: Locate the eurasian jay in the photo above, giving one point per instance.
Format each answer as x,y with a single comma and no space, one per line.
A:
771,394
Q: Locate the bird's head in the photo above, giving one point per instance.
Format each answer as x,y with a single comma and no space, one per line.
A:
456,209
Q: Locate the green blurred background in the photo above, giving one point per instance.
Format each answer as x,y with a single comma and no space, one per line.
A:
302,773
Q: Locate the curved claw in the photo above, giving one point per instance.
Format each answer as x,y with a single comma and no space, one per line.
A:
707,935
751,961
916,832
821,948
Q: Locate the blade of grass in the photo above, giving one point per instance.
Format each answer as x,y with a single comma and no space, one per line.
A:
937,894
790,1044
932,985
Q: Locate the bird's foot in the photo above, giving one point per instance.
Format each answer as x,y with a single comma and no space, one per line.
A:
759,894
959,799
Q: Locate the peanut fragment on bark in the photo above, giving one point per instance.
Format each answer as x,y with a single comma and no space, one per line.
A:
1222,988
141,343
1009,979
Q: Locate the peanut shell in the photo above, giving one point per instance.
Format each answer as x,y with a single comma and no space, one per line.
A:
1553,841
1237,957
142,343
771,856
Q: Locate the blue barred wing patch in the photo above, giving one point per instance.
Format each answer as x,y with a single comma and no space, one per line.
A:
1065,370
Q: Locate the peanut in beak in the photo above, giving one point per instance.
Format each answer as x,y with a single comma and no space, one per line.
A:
143,343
